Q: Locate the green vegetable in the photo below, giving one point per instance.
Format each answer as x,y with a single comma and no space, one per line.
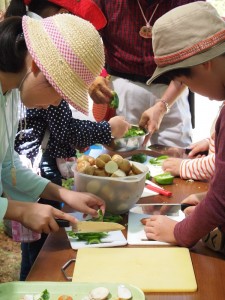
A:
107,217
90,238
140,157
134,131
165,178
68,183
44,296
115,101
158,161
148,176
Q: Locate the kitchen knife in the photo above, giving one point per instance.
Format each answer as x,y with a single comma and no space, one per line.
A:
90,226
167,209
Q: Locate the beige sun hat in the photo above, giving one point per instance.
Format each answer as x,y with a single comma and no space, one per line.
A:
187,36
69,52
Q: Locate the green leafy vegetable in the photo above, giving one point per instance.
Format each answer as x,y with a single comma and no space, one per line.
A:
89,238
115,101
134,131
139,157
158,161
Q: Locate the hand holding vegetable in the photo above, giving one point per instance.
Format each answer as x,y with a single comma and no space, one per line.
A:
100,91
172,165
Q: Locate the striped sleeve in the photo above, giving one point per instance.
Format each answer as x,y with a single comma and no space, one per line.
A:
199,168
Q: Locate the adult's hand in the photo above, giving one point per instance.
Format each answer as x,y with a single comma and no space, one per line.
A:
200,146
100,90
151,118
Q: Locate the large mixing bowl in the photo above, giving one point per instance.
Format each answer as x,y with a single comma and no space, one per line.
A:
119,193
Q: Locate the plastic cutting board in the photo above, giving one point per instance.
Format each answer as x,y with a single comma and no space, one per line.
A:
151,269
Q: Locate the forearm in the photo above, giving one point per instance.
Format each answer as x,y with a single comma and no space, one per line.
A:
173,91
54,192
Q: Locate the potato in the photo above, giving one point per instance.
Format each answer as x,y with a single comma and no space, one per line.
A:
107,193
105,157
111,167
117,158
100,163
88,158
93,186
89,170
119,173
125,166
82,165
100,172
136,170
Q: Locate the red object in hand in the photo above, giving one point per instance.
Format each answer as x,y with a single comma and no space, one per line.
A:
159,190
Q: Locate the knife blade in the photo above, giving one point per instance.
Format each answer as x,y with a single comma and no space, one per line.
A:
167,209
89,226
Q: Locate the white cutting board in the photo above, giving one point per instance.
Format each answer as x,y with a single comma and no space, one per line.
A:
165,269
114,238
136,234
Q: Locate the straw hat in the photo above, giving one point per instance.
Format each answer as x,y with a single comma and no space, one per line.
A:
86,9
69,52
187,36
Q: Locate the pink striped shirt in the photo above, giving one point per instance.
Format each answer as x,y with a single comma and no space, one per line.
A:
199,168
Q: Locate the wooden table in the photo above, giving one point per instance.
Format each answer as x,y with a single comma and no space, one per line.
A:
209,267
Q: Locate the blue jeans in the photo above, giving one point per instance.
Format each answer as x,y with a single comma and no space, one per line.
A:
30,251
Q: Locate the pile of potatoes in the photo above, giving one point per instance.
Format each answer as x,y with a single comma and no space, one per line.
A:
106,166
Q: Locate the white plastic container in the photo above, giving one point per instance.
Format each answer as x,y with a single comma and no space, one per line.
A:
119,193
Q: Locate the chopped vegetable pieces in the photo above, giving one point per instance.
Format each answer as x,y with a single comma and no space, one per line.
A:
165,178
158,161
89,238
134,131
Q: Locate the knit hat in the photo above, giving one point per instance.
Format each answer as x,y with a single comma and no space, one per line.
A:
86,9
69,52
187,36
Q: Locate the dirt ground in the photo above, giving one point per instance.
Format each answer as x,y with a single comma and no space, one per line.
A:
9,258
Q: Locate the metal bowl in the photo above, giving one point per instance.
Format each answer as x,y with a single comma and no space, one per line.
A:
126,143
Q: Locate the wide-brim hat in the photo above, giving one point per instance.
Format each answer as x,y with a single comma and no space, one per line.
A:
69,52
86,9
187,36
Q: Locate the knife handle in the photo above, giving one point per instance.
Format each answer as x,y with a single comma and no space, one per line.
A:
62,222
159,190
185,205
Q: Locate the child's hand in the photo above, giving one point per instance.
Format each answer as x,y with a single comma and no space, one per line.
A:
172,165
160,228
200,146
194,200
84,202
119,126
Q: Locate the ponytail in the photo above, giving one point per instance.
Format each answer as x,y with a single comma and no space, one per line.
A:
16,8
13,48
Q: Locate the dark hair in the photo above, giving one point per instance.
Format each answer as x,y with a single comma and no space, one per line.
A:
18,8
13,48
171,75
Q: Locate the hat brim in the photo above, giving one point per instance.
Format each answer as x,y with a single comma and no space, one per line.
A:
72,72
189,62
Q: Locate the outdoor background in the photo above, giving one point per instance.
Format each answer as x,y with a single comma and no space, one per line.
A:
205,112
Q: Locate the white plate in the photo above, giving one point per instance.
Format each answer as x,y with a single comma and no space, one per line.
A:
114,238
